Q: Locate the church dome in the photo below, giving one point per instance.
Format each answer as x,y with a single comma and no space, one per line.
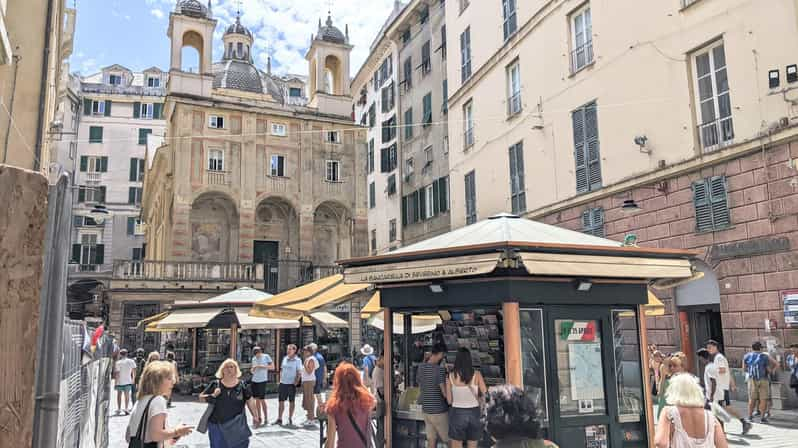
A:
237,75
193,8
330,33
238,28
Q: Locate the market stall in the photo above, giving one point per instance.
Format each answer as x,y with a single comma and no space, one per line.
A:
556,312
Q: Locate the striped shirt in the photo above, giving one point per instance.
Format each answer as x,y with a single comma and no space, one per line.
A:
430,377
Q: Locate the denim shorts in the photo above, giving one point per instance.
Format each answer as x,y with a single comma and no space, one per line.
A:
465,424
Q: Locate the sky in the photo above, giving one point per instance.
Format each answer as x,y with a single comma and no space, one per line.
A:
132,33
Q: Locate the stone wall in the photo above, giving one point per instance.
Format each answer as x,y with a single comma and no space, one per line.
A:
763,202
22,230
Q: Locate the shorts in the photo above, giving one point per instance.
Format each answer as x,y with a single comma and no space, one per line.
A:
259,390
465,424
318,387
308,399
437,426
124,387
286,392
758,389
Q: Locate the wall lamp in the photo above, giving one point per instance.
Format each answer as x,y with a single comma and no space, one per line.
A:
582,284
437,288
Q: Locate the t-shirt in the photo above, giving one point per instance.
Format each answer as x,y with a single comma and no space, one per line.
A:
757,364
229,403
289,369
320,371
430,377
158,406
124,367
312,375
378,379
368,366
724,375
261,375
711,373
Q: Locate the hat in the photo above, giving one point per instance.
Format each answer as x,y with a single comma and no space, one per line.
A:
367,350
139,350
123,351
256,349
313,346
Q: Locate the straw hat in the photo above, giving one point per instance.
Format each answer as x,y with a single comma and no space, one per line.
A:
367,350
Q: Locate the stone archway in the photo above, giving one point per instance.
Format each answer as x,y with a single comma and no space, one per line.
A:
214,228
332,239
277,220
191,52
331,83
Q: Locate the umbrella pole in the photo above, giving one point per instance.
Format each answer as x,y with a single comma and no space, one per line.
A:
233,340
193,348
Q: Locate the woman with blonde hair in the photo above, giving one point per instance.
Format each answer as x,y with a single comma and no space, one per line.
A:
685,423
227,424
153,356
148,422
673,365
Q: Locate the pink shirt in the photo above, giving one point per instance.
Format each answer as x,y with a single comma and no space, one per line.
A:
347,436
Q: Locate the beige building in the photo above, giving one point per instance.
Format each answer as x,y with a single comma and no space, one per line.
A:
402,99
33,50
250,177
672,123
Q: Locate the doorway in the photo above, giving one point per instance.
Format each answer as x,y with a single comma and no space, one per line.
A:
267,253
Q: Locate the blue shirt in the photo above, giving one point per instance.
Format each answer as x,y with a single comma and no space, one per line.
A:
320,370
261,375
757,364
289,370
369,362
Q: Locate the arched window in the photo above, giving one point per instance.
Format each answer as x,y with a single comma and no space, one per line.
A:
230,50
191,53
328,81
240,50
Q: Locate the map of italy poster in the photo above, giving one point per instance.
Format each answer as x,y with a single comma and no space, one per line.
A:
585,361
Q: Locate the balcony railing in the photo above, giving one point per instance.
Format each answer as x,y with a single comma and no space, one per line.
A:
333,187
468,138
716,134
217,177
581,57
93,177
514,104
274,184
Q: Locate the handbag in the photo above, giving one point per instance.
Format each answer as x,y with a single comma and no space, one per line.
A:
137,441
357,429
202,425
236,430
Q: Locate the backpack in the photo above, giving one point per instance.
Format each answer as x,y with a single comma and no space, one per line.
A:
757,365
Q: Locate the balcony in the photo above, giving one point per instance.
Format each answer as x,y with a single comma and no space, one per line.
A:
93,177
716,134
333,188
581,57
514,106
217,177
274,184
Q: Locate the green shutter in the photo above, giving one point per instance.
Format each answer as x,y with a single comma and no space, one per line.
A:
75,253
103,164
404,210
95,134
143,135
99,257
592,147
107,108
157,111
81,194
598,222
578,123
703,208
136,109
416,207
442,190
131,195
131,226
141,170
101,199
719,201
134,164
86,106
436,200
422,203
84,164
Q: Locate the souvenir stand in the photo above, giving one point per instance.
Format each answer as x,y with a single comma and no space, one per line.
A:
555,312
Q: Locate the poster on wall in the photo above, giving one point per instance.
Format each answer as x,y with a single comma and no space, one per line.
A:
790,299
596,436
584,361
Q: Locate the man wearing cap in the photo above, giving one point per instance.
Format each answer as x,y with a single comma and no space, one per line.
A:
124,375
321,373
369,362
261,365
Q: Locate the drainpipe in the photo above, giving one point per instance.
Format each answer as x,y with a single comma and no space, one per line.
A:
48,28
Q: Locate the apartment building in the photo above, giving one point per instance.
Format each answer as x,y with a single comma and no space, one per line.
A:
403,101
118,110
669,124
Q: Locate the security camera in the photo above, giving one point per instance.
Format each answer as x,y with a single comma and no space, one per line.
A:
641,141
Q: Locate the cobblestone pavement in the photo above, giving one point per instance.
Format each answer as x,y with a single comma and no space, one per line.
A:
781,432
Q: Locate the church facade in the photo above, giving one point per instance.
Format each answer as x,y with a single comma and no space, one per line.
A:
255,169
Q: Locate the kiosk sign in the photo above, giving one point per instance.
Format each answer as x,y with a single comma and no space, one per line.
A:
790,308
584,331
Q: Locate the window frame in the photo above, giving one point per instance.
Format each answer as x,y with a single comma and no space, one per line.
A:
586,47
332,136
465,55
334,175
408,125
392,230
372,195
370,156
470,180
429,202
153,81
593,220
274,129
146,111
517,178
215,164
112,76
468,124
214,121
95,139
279,169
514,99
98,107
510,18
714,204
722,136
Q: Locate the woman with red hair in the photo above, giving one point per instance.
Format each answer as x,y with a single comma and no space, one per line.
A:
349,410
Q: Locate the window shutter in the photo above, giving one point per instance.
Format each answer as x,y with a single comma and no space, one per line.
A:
436,200
578,122
102,195
592,147
134,164
99,257
598,222
719,200
404,210
513,174
442,190
76,249
131,195
416,206
141,170
107,108
77,221
422,203
86,106
103,164
703,208
81,194
136,110
157,111
84,163
587,221
131,226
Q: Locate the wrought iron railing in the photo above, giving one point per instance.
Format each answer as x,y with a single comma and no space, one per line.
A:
582,56
716,134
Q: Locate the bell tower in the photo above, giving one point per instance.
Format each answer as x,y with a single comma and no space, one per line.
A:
191,25
328,64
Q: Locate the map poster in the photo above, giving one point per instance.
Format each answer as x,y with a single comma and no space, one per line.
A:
584,361
596,436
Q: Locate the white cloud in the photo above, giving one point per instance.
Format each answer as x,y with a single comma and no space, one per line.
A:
157,13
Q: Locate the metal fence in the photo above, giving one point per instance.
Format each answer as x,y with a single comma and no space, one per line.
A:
85,390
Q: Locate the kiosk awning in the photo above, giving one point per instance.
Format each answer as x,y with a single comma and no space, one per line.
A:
328,320
537,263
439,268
248,322
372,306
420,323
188,318
314,297
300,293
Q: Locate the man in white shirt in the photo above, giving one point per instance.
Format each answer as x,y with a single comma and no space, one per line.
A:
725,382
124,375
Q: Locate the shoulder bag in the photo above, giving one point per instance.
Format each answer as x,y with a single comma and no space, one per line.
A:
137,441
202,425
357,429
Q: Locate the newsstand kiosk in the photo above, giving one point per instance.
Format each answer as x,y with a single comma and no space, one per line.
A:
550,310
